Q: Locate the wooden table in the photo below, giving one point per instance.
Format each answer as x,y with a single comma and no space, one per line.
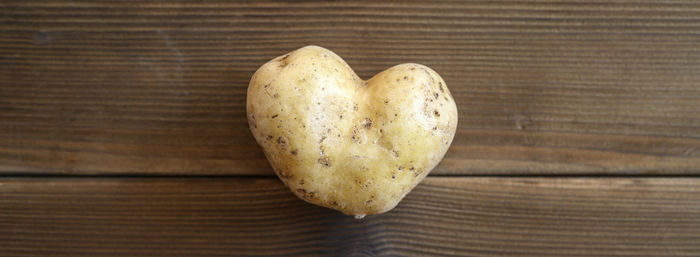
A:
123,129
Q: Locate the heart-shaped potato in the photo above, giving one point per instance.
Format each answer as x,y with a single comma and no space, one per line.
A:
347,144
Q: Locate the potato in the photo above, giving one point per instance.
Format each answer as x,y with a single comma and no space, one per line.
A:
347,144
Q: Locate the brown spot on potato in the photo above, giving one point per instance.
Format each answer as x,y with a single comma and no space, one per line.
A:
396,153
436,95
367,123
276,95
325,161
405,77
301,191
281,142
436,113
370,200
274,116
355,137
294,152
440,85
266,85
283,61
268,137
251,120
417,173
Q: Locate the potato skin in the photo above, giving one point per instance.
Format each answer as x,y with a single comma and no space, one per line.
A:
347,144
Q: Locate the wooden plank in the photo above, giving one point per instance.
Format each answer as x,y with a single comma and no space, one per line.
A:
474,216
568,87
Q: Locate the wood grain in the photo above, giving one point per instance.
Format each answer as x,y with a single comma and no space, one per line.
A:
158,87
259,217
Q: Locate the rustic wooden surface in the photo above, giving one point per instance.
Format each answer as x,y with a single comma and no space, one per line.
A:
442,217
158,87
122,94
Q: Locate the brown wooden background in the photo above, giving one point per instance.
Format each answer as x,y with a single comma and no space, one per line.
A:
123,129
